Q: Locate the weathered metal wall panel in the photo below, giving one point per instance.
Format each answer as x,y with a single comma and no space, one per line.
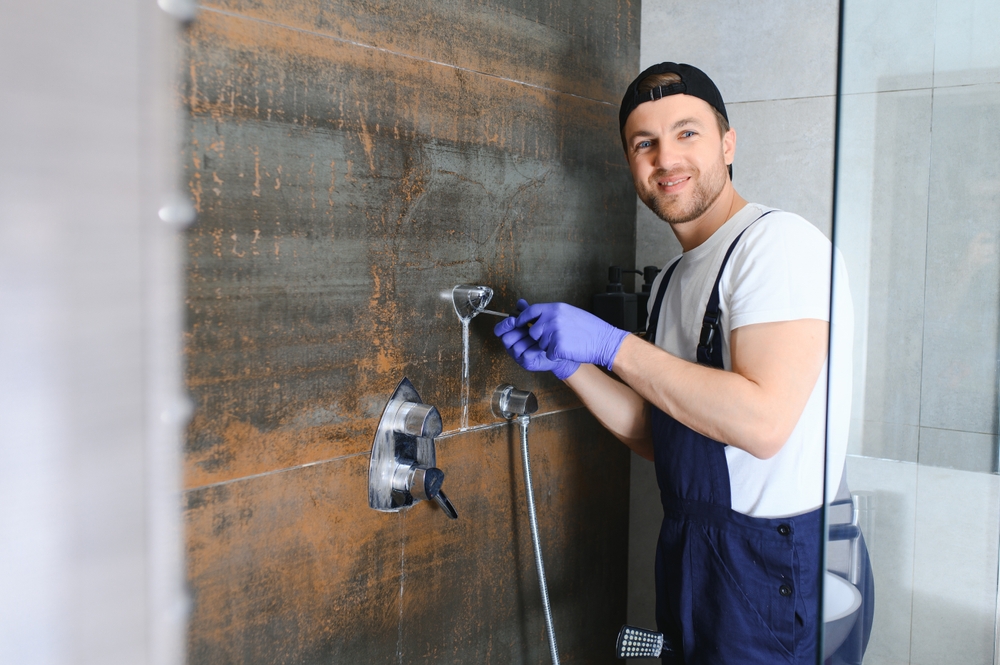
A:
293,567
350,161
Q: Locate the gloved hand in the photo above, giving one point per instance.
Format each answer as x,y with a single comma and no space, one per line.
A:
565,332
525,350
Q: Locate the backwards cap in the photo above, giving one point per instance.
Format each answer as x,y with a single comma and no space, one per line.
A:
694,82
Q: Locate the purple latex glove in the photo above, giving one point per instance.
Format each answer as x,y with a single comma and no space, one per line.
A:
565,332
525,350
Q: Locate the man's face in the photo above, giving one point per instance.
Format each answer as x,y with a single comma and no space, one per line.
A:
677,157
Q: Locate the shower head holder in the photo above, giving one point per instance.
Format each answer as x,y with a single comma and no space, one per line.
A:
509,402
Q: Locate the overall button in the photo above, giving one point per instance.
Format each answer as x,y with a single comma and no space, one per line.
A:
785,590
784,529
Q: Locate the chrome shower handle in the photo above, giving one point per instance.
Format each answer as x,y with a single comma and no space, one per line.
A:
403,464
423,484
442,500
429,483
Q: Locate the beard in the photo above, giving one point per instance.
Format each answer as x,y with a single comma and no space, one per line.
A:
671,208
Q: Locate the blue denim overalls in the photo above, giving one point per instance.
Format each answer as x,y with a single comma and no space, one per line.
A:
730,588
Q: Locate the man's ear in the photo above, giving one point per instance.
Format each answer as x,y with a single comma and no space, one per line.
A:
729,145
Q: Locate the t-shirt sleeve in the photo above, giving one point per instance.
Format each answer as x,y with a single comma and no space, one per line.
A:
780,271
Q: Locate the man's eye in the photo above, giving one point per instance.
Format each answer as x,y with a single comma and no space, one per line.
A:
688,133
643,144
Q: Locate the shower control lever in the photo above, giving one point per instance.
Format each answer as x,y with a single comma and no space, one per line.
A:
402,467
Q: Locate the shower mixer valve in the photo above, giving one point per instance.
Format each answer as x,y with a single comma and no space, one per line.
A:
402,468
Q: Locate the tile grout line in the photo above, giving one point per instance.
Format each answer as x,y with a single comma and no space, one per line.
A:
937,429
923,330
402,584
382,49
274,471
859,94
443,435
500,423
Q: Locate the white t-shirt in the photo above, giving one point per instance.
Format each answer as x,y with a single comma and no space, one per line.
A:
779,271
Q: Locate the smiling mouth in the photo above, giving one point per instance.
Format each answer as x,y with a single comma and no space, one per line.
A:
675,181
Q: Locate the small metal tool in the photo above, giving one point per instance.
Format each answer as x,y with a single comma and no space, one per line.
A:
471,300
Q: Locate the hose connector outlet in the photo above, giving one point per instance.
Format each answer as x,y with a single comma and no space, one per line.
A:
509,402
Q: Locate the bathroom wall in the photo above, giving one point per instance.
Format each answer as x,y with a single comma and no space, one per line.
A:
933,543
917,215
920,204
776,66
349,162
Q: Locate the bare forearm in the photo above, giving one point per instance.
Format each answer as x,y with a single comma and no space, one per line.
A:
616,406
752,412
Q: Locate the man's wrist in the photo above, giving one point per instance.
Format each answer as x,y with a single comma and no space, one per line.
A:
615,343
567,370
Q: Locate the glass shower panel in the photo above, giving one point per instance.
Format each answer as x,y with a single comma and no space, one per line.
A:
917,222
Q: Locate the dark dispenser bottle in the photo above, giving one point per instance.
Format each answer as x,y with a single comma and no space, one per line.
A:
615,306
649,273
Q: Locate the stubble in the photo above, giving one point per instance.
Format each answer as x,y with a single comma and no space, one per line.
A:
674,209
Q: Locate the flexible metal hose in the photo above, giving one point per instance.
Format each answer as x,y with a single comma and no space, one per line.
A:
533,520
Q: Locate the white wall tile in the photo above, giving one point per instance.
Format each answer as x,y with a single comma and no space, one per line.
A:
753,50
784,155
891,547
955,567
888,45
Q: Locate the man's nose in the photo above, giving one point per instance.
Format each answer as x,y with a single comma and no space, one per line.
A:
665,157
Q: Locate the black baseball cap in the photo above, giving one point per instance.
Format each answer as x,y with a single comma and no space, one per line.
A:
694,82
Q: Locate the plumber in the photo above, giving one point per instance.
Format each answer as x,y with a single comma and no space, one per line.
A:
727,394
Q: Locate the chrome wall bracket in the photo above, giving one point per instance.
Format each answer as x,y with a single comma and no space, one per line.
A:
402,468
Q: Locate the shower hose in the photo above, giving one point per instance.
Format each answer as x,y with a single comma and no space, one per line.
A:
533,520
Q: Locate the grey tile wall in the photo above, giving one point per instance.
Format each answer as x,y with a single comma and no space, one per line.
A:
659,244
888,45
883,130
754,50
926,252
966,49
784,155
958,388
970,451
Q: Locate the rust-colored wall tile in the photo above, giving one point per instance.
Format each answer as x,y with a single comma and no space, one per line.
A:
293,567
471,590
587,47
341,191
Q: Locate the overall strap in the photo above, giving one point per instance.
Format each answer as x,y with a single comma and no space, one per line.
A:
654,316
709,352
